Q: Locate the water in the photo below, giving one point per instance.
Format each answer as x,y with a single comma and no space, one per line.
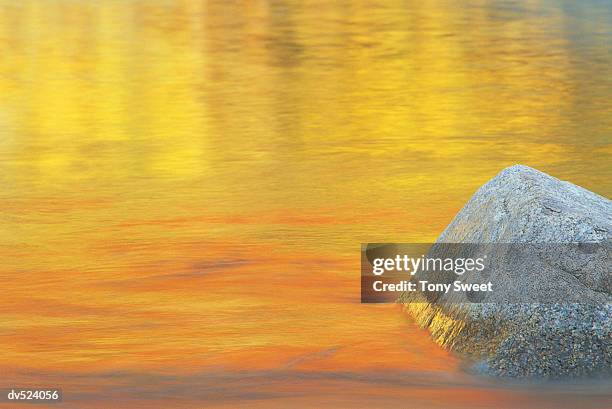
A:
185,185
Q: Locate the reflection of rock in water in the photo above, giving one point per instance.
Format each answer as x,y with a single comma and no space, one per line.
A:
553,318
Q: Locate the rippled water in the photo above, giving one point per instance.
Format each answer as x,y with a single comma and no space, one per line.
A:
185,185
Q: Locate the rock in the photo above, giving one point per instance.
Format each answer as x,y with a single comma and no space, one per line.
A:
513,332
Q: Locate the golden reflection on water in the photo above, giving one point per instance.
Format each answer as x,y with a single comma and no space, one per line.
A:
186,183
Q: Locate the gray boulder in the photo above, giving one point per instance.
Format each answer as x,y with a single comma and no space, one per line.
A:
551,313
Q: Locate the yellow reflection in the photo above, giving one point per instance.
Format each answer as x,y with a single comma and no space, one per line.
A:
186,183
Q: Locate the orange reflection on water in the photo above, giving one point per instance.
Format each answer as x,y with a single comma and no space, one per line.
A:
186,185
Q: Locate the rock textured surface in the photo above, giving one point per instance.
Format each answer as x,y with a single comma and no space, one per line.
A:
513,333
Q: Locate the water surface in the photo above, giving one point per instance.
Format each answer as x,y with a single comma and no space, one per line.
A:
186,184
